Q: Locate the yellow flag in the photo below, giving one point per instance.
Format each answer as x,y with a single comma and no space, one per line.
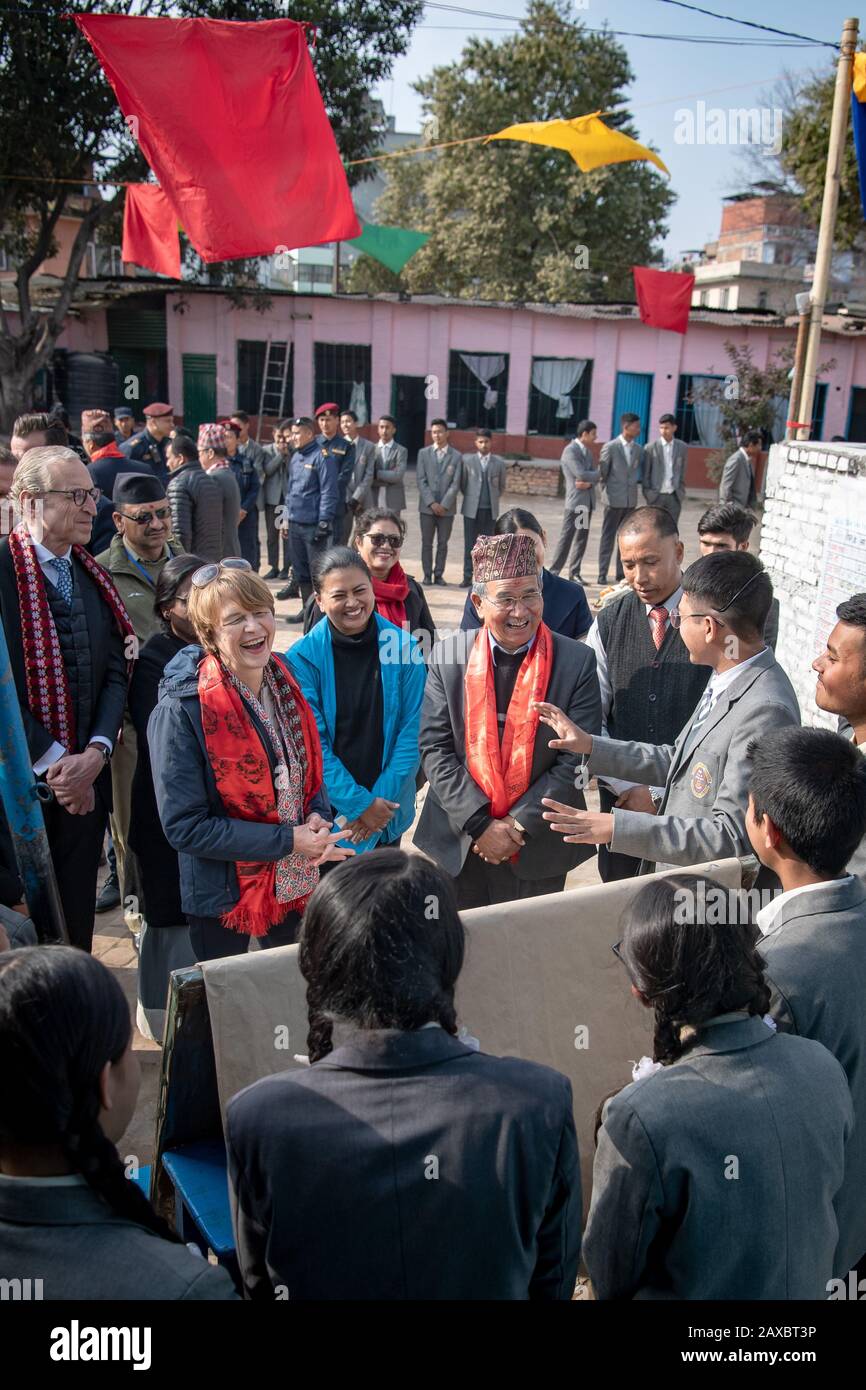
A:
588,140
860,76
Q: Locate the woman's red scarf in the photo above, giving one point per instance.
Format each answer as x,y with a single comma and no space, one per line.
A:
48,695
245,782
391,595
503,771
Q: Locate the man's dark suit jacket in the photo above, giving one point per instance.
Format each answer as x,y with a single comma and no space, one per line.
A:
106,653
453,797
405,1165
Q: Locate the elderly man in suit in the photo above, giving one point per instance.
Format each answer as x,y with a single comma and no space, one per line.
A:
486,760
70,640
389,466
482,481
440,472
703,777
619,469
841,686
738,475
360,493
807,814
664,469
581,474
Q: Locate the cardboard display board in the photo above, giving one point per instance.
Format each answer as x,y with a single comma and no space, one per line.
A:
540,982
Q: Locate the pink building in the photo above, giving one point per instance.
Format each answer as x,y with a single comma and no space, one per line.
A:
528,372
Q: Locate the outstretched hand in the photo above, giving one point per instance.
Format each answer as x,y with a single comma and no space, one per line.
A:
569,736
578,827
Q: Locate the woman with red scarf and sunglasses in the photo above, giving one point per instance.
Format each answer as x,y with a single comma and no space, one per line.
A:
378,539
237,768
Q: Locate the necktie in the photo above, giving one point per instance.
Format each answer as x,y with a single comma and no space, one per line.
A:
63,582
703,708
658,618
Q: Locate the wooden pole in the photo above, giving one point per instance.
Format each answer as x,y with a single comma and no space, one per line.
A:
797,373
827,225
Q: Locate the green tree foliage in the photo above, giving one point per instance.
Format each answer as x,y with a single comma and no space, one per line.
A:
519,222
803,158
60,126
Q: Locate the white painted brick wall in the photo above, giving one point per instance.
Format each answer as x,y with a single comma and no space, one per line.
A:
799,491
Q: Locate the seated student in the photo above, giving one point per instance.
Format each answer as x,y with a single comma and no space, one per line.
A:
404,1163
566,610
69,1081
807,814
363,678
718,1166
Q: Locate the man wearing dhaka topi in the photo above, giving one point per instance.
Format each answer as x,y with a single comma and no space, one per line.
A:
487,761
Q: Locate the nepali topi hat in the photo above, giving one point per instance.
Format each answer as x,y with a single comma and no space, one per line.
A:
503,557
211,436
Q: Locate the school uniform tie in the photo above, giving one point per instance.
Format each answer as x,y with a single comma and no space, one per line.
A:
705,705
658,622
63,582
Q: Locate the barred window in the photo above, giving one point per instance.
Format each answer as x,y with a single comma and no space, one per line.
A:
477,390
555,404
342,373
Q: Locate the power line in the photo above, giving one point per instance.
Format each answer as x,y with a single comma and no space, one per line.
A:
749,23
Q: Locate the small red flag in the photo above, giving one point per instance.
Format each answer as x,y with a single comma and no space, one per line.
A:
230,119
663,297
150,236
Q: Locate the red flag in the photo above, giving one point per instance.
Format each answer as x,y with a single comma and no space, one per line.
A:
663,297
230,118
150,236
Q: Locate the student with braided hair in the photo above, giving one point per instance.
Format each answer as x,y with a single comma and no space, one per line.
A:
403,1163
717,1168
69,1081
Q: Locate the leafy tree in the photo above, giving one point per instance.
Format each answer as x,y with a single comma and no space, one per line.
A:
60,127
512,221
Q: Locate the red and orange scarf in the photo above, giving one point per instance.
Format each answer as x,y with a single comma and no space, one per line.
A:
245,781
48,695
503,771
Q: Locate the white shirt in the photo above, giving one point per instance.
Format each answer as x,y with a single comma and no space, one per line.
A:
484,459
765,918
668,479
593,639
720,680
46,560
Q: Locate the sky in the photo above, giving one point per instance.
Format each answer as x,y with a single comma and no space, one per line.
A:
671,78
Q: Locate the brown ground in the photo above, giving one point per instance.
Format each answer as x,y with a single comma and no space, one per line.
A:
113,942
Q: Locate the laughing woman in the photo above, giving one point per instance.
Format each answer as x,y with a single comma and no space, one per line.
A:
237,768
363,677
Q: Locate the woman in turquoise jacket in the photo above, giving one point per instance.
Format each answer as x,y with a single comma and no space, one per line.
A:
363,678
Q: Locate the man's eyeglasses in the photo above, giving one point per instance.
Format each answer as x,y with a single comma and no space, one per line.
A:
208,573
145,518
507,605
676,617
378,538
78,495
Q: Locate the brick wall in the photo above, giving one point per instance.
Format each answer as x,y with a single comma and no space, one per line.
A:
813,543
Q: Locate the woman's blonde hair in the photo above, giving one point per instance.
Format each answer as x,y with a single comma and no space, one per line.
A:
205,606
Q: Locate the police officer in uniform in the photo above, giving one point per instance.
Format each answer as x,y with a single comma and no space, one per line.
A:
342,451
312,495
150,445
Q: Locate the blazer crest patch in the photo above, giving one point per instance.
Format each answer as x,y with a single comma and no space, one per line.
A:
702,782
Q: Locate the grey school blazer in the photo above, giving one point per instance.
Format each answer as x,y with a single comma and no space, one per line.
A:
578,466
439,483
715,1177
705,774
738,480
497,470
67,1236
815,949
361,481
453,797
857,862
391,473
654,470
619,472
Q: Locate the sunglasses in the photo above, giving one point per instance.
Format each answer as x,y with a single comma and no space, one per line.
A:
379,538
144,518
208,573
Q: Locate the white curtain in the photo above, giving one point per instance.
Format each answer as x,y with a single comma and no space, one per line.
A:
358,402
484,369
558,379
708,417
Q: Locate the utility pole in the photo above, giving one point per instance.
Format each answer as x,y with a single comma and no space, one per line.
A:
803,305
827,225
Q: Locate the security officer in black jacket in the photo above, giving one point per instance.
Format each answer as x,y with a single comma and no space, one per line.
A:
150,445
342,451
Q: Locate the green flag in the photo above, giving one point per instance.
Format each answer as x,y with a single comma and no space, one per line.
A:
393,246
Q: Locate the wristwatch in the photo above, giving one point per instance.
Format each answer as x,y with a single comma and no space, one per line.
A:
657,796
104,750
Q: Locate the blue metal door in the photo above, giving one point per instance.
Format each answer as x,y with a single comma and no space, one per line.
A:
633,393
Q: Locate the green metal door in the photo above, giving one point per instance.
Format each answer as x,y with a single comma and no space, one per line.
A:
199,390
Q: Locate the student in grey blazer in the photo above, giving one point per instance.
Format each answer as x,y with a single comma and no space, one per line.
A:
274,464
663,469
483,480
738,475
439,474
717,1168
403,1163
807,814
360,492
619,469
581,474
70,1218
841,686
703,777
389,466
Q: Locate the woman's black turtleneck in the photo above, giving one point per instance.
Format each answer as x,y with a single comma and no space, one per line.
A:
358,737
